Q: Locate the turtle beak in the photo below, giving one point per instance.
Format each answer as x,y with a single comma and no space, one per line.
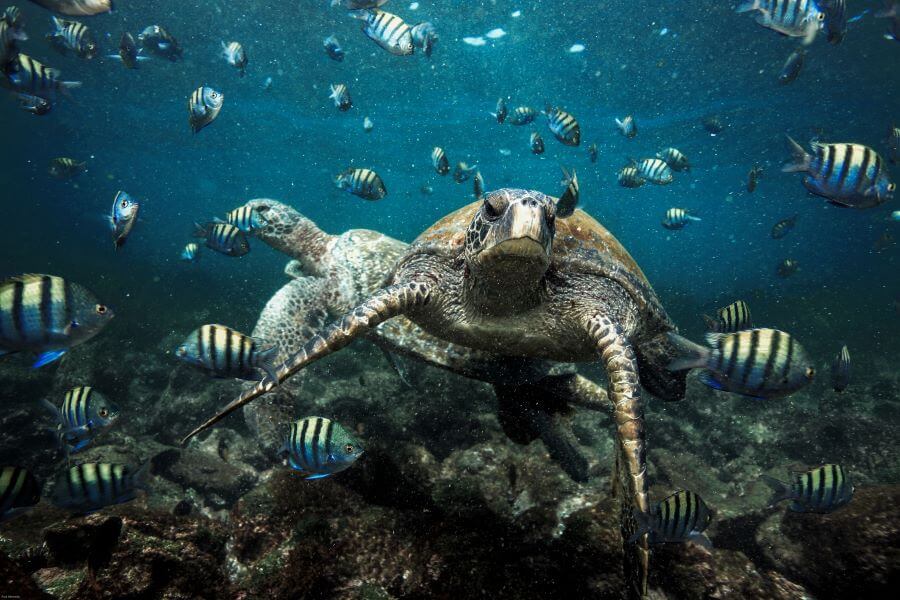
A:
524,233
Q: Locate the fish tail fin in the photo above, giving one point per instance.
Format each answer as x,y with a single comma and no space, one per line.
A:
200,231
361,14
66,87
889,11
53,409
748,5
139,479
643,525
688,354
711,324
265,360
781,490
56,23
19,35
800,158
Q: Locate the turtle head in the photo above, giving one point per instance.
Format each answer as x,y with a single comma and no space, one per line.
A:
510,240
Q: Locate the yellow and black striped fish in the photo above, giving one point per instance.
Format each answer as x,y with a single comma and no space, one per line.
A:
566,204
387,30
319,447
204,106
340,95
793,18
676,160
224,352
66,168
72,36
655,170
783,227
91,486
364,183
19,491
223,237
522,115
850,175
840,370
236,56
677,218
191,253
760,363
682,517
629,177
537,143
734,317
84,413
439,161
564,126
245,218
47,314
820,490
9,38
787,267
77,8
27,75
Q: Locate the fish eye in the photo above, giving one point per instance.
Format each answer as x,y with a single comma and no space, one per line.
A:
103,412
74,324
124,204
891,187
810,372
348,448
821,16
100,309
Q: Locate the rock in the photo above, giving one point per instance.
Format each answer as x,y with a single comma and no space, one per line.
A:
853,552
90,540
16,583
220,483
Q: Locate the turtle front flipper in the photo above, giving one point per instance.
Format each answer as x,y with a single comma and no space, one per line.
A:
625,393
385,304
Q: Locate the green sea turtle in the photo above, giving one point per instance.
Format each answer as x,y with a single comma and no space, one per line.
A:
331,274
504,275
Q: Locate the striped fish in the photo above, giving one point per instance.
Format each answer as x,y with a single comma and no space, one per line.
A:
333,48
820,490
341,97
629,177
682,517
224,352
676,160
566,204
191,252
537,143
47,314
123,217
712,124
223,237
677,218
364,183
783,227
9,37
478,185
564,126
12,16
521,115
893,143
92,486
66,168
593,153
502,111
245,218
840,370
387,30
27,75
787,267
157,40
424,36
19,491
439,161
627,126
319,447
84,413
463,172
34,104
732,318
235,56
792,66
760,363
72,36
128,52
655,170
835,19
753,178
77,8
793,18
204,106
849,175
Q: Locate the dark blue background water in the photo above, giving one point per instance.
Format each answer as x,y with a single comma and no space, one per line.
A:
289,141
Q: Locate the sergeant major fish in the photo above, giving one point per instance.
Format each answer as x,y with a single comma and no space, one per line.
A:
128,52
318,447
20,491
820,490
77,8
537,143
89,487
66,168
245,218
676,160
223,237
627,126
387,30
655,170
191,252
235,56
732,318
224,352
783,227
439,161
204,107
48,315
333,48
463,172
847,175
753,178
73,36
84,414
835,19
793,18
9,38
840,370
502,111
592,153
521,115
787,267
564,126
424,36
34,104
13,17
341,97
123,217
760,363
681,517
27,75
156,40
677,218
712,124
364,183
629,177
566,204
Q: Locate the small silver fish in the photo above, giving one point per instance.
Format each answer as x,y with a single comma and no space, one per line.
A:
521,115
341,97
333,48
655,170
34,104
236,56
627,126
123,217
593,153
368,125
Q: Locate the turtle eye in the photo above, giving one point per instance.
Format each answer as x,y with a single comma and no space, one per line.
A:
348,448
